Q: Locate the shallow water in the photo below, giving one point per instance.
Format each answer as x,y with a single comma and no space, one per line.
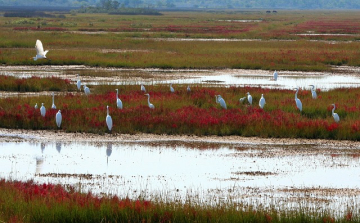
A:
205,172
252,78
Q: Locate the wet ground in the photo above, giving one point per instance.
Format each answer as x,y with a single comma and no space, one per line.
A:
285,173
280,173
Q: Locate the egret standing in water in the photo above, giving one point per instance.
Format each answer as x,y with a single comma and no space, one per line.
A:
249,97
335,115
171,89
313,92
86,90
58,119
221,101
40,53
109,121
275,75
118,101
262,101
53,106
78,83
143,88
42,110
297,101
150,105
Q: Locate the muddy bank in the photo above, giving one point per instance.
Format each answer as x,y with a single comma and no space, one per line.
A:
20,135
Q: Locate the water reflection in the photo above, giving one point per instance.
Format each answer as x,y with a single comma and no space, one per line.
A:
182,169
42,146
108,151
58,146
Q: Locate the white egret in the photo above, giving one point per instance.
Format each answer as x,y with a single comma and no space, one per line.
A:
78,83
171,89
188,88
40,53
249,97
36,106
275,75
42,110
58,119
150,105
221,101
262,101
53,106
118,101
242,99
313,92
109,121
86,90
143,88
335,115
297,101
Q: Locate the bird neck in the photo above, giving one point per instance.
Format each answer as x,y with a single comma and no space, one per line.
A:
149,99
333,110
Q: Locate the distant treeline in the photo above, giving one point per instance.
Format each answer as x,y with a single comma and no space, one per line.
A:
29,14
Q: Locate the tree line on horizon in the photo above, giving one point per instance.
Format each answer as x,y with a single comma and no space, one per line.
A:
192,4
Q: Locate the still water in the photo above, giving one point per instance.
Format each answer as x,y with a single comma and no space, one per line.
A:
205,172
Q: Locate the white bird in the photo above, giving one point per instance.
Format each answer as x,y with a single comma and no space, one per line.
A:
150,105
143,88
262,101
109,121
313,92
249,97
40,53
275,75
297,101
242,99
86,90
172,89
53,106
221,101
335,115
36,106
78,83
58,119
118,101
42,110
188,88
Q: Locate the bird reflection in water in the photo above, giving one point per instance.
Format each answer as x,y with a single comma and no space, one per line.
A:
40,159
58,146
108,152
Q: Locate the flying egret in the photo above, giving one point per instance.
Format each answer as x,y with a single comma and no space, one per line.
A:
109,121
172,89
36,106
42,110
313,92
297,101
335,115
143,88
78,83
188,88
249,97
58,119
53,106
262,101
275,75
150,105
118,101
40,53
221,101
86,90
